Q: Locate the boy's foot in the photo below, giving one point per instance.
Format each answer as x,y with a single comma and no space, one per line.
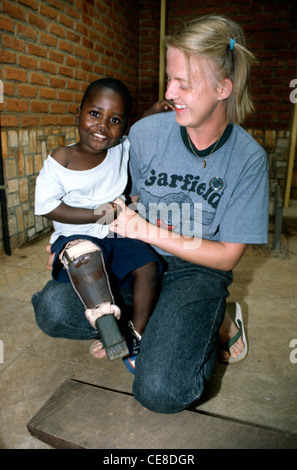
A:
97,350
133,342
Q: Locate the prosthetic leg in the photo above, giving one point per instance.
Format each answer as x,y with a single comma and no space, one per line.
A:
84,263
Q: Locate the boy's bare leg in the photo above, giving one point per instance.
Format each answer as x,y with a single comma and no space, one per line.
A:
144,295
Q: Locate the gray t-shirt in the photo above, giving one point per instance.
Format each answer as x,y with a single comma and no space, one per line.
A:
227,200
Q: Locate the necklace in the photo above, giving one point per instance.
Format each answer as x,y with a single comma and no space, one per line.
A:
213,149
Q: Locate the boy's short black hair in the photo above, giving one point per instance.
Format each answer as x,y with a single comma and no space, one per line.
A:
113,84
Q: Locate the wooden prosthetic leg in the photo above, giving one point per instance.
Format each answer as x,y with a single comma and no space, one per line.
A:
84,263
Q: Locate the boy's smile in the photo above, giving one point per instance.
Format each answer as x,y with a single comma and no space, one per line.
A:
101,121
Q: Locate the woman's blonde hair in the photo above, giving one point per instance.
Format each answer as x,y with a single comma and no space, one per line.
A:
209,37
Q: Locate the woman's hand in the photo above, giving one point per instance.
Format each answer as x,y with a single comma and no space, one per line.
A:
129,224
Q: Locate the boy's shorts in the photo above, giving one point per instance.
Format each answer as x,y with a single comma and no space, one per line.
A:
121,256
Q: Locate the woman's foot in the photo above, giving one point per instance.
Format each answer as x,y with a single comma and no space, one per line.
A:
228,331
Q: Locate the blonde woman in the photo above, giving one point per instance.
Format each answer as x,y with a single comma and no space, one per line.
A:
201,183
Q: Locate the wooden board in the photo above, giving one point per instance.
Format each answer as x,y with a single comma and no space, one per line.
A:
85,416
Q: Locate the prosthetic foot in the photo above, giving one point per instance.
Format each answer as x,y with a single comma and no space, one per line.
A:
84,263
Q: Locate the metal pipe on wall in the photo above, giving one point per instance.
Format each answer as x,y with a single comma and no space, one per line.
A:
4,215
162,50
291,156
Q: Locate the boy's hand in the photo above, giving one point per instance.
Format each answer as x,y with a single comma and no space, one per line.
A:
160,107
106,213
50,260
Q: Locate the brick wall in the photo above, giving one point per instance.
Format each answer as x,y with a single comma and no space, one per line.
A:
271,31
49,52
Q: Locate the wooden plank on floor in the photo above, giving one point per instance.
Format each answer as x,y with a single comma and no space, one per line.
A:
84,416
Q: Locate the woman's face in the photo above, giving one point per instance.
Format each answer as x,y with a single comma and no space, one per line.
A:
191,85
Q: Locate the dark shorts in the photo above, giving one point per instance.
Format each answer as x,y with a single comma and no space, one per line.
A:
121,255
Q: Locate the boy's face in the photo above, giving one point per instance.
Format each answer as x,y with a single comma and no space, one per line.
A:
102,120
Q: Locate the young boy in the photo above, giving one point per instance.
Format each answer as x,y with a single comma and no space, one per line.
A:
75,189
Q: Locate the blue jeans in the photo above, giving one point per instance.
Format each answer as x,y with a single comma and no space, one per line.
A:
179,345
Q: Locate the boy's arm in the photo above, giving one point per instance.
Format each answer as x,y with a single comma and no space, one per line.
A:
103,214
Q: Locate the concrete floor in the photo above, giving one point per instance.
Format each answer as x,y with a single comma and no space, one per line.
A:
260,391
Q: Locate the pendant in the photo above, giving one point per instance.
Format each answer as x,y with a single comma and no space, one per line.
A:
204,164
216,183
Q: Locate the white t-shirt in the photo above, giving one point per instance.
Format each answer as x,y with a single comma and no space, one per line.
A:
86,189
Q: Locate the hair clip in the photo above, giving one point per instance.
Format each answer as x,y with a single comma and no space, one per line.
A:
232,42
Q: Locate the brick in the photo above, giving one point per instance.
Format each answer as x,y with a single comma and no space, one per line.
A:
49,12
57,82
13,10
39,106
58,108
38,163
27,91
7,24
48,66
36,20
57,4
49,121
10,42
56,57
9,121
10,169
80,52
63,70
30,3
65,96
38,79
7,57
15,74
24,197
65,46
3,137
66,121
23,138
21,162
16,105
71,36
48,39
72,85
27,62
29,164
66,20
57,30
27,31
37,50
72,62
47,93
72,12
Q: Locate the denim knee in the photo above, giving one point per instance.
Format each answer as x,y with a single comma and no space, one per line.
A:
154,394
60,314
45,320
